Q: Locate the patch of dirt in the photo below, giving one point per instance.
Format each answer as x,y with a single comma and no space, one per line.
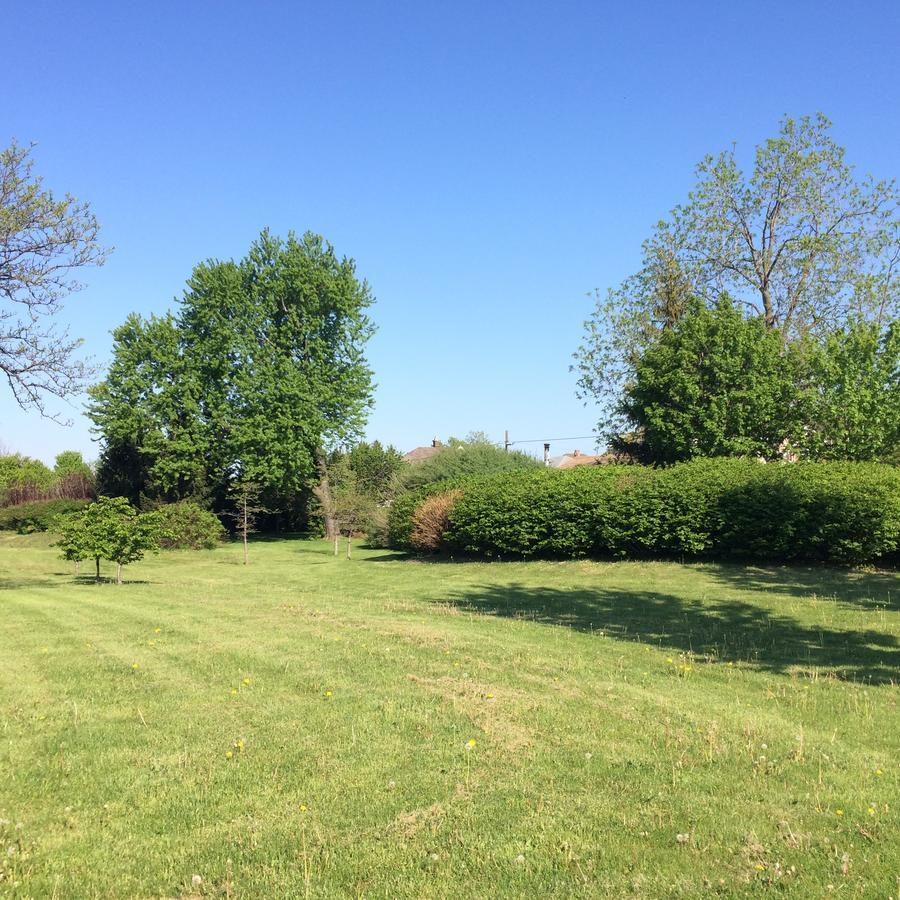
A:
409,824
483,705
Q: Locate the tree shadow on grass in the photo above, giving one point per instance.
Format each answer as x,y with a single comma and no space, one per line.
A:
18,584
869,589
719,630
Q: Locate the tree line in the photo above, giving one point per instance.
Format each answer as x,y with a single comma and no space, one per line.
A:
763,319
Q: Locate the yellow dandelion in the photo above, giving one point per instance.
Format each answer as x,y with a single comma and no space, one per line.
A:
759,867
879,773
871,810
157,630
303,807
328,693
246,681
234,692
669,659
471,743
838,812
228,754
135,666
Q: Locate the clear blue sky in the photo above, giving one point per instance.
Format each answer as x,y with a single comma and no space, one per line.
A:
487,164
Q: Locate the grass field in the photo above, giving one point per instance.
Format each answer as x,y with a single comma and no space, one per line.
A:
380,727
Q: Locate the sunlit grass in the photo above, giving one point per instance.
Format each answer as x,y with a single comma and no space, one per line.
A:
391,728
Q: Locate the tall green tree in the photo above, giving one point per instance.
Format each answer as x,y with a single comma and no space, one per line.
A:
45,241
257,374
800,241
714,384
854,394
376,468
148,413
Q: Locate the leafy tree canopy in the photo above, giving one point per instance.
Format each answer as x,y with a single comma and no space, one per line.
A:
260,368
715,384
800,241
474,455
109,529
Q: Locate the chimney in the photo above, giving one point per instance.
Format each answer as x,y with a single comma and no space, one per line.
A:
435,443
576,453
546,454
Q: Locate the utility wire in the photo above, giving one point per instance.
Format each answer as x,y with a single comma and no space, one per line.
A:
581,437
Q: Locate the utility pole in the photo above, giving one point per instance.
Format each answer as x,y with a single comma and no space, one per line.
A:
506,440
546,454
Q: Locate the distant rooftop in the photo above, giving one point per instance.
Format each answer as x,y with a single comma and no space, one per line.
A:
577,458
420,454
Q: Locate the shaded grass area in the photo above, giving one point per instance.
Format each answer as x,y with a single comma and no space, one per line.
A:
302,727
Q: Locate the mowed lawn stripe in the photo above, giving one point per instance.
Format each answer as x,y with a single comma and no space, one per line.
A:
350,768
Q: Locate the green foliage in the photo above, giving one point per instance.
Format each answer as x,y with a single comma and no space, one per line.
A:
854,395
187,526
69,463
376,469
845,513
21,478
261,367
110,528
24,480
402,510
714,384
800,241
38,515
464,458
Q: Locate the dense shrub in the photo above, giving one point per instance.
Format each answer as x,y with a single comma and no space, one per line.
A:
187,526
462,459
430,520
725,508
27,518
400,515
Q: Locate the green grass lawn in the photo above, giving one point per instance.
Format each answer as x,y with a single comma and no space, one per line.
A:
380,727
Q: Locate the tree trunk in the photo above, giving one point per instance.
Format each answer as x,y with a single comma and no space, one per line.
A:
244,530
767,306
335,543
348,542
323,492
97,560
118,573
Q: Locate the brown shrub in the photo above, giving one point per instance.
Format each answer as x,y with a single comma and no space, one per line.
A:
431,519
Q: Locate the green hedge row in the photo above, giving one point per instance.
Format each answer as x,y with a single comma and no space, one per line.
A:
846,513
27,518
400,515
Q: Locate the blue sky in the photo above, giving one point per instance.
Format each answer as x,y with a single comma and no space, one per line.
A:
487,164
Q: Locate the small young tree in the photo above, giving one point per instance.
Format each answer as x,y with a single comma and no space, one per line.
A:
109,529
352,506
247,508
72,543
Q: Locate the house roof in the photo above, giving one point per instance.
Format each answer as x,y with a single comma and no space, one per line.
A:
420,454
577,458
